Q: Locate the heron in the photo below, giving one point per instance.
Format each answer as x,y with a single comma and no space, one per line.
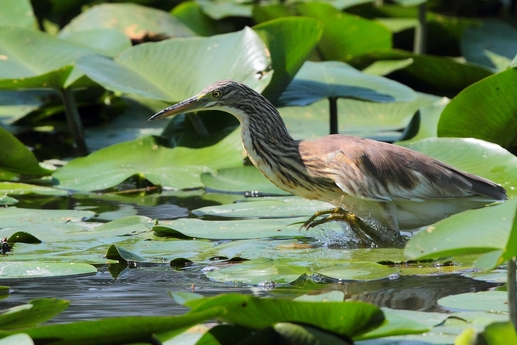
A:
363,178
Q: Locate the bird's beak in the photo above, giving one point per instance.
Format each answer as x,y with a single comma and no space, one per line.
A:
185,106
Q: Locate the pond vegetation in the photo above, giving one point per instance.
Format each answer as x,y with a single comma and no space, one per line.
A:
90,187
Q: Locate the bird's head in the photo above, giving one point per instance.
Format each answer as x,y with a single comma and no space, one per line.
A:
218,95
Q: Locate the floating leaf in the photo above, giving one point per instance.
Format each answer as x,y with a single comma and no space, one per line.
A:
23,237
122,254
33,269
230,229
239,179
490,301
285,207
177,168
14,188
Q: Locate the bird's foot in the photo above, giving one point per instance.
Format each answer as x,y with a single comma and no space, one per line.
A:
366,233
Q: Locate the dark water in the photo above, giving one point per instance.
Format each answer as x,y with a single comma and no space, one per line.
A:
144,291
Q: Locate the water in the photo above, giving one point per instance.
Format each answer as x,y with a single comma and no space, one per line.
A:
145,291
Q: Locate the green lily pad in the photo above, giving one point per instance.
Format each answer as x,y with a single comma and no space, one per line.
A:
33,313
45,63
134,20
191,14
177,168
339,41
476,231
486,110
121,329
317,80
491,36
230,229
285,207
14,188
290,41
17,339
185,65
47,225
490,301
17,13
220,9
24,237
17,158
33,269
345,318
104,41
122,254
239,179
432,74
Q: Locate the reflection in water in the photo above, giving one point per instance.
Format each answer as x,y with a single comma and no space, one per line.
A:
144,291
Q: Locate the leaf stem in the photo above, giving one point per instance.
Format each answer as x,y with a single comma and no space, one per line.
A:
512,290
74,120
333,115
420,43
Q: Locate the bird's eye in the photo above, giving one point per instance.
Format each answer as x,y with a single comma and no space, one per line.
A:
216,94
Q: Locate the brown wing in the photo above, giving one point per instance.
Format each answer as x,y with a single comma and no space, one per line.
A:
379,171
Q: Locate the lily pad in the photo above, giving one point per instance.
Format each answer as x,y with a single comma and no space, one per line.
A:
45,63
345,318
230,229
104,41
285,207
290,41
491,36
33,313
176,168
17,158
431,74
33,269
164,71
317,80
341,30
485,110
17,13
475,231
490,301
239,179
14,188
134,20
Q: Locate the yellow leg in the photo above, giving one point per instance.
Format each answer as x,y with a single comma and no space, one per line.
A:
360,228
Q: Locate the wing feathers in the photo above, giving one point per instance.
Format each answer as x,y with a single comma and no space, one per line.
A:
378,171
